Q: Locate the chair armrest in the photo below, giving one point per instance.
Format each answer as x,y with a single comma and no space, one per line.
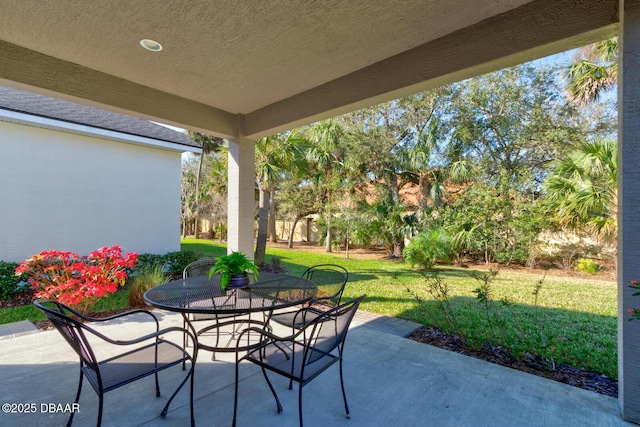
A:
114,316
264,333
143,338
303,313
127,313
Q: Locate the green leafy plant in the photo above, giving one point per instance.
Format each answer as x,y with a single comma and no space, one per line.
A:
587,265
176,261
9,282
172,263
234,263
428,247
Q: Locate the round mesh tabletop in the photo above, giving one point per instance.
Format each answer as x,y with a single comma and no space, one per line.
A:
201,295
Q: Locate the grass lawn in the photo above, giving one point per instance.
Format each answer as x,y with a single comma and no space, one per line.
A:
574,320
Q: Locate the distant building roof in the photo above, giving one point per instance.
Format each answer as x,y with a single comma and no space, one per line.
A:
52,108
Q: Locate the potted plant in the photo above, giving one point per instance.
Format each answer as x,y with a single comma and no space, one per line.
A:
233,269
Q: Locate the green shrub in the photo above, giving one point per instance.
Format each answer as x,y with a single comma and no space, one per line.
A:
145,279
428,247
148,261
176,261
172,263
9,282
587,265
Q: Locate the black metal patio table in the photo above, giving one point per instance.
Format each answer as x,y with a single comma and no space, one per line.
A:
234,308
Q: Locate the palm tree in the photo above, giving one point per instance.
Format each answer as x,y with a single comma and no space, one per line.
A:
209,144
326,154
274,155
593,70
584,188
431,180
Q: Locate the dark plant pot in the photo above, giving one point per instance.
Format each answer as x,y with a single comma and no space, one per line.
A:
238,281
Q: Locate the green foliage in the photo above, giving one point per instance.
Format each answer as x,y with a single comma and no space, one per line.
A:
177,261
145,279
148,261
583,188
587,265
445,316
594,71
428,247
493,224
389,224
9,282
234,263
172,263
509,122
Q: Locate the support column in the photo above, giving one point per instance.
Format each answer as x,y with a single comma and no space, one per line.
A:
628,208
241,195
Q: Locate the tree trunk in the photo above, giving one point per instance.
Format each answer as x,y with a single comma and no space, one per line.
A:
346,246
394,188
327,247
197,226
398,244
293,230
295,222
272,217
422,192
263,219
397,249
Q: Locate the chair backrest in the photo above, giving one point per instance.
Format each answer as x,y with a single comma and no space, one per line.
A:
200,267
330,279
71,329
329,330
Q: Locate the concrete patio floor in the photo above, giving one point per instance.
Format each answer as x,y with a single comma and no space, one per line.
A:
390,380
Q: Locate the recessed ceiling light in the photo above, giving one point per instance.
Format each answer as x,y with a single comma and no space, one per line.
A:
151,45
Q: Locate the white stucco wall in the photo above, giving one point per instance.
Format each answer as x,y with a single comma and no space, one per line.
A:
60,190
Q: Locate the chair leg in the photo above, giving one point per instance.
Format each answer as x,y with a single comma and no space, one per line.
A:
273,390
166,407
100,404
77,397
158,386
344,395
235,394
300,403
193,422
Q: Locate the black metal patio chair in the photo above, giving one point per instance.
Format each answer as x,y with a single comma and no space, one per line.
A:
200,267
304,355
141,356
331,280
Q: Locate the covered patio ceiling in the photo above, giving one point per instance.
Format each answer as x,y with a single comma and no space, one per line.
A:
254,68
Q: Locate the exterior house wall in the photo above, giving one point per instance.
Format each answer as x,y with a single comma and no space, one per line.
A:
65,191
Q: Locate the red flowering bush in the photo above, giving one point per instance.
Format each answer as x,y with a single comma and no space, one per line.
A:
75,280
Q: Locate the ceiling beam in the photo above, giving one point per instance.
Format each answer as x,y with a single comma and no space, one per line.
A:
26,69
534,30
